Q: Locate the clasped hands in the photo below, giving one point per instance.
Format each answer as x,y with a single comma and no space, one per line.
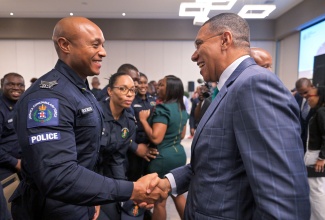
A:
150,189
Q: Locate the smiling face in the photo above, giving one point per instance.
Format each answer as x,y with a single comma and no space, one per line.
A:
119,99
80,44
143,86
208,53
87,52
13,87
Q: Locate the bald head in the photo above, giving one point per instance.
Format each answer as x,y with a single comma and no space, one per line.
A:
71,28
262,57
80,44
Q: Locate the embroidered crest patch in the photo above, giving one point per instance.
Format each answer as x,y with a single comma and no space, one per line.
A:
124,132
43,112
153,103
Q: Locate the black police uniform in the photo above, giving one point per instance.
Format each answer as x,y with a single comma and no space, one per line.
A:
118,137
137,164
10,151
59,125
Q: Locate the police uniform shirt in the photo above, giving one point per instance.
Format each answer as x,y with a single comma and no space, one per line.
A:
138,105
10,151
59,125
117,139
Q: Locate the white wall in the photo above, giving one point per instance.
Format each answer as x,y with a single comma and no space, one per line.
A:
288,60
33,58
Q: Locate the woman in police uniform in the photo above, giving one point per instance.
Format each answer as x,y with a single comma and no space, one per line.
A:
142,101
168,125
119,132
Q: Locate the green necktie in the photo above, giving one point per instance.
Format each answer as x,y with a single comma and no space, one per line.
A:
215,92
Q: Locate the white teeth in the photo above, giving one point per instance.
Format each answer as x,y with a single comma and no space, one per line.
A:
201,65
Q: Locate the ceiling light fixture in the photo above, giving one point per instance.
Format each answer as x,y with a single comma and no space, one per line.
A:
222,4
11,14
123,14
71,14
200,9
256,11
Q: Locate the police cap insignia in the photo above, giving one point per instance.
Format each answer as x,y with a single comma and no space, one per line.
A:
47,85
43,112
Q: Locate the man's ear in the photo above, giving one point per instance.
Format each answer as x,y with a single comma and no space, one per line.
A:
63,44
226,39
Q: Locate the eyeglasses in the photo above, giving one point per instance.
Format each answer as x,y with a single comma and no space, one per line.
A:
198,42
124,90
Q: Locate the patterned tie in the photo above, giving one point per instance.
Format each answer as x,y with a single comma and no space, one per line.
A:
305,110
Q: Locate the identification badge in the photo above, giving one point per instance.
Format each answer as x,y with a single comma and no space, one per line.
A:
86,110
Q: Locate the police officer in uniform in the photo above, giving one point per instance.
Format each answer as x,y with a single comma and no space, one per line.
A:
142,101
10,153
59,125
119,134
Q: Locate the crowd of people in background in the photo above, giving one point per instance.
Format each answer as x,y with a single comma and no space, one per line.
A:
107,153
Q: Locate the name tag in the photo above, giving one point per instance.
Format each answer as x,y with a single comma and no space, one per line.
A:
43,137
86,110
10,120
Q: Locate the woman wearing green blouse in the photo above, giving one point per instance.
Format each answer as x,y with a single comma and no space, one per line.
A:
166,129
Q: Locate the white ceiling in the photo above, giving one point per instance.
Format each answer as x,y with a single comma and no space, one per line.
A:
141,9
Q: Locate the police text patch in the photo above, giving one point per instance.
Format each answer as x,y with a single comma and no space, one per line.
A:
42,137
43,112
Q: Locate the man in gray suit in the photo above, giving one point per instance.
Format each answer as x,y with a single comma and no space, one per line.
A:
247,155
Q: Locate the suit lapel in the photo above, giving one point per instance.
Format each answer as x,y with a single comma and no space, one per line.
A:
222,93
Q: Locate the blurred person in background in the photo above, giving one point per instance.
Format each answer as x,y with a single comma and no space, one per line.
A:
95,90
262,57
302,87
10,152
166,128
315,154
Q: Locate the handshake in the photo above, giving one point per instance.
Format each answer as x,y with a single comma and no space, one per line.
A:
150,189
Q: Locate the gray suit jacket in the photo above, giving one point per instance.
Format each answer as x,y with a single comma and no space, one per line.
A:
247,155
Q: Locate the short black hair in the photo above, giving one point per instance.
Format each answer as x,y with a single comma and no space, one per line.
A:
144,75
233,23
10,74
114,77
126,67
303,81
